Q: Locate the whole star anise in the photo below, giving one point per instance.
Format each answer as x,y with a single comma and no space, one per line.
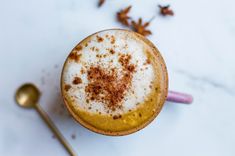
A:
165,10
100,3
140,27
122,16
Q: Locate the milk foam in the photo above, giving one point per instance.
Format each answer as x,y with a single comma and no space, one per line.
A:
121,42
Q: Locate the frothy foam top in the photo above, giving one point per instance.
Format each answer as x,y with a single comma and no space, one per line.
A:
108,73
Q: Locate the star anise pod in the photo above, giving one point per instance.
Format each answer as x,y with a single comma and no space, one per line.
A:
122,16
100,3
165,10
140,27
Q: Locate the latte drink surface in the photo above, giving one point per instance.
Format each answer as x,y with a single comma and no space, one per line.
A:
114,82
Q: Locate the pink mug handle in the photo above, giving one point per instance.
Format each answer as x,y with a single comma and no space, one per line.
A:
179,97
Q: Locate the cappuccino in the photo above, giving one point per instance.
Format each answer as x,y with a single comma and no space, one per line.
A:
114,82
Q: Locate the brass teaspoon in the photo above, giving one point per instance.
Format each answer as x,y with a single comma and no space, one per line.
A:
27,96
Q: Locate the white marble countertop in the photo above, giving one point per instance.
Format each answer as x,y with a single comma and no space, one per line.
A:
198,44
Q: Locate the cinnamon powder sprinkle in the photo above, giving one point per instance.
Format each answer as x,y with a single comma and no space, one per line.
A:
148,61
74,56
67,87
77,80
78,48
97,49
107,87
82,71
111,51
112,39
92,48
99,39
124,59
101,56
115,117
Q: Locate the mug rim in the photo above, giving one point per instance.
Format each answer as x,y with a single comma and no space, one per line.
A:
139,127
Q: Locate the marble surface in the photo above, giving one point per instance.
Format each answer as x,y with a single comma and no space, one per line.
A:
198,44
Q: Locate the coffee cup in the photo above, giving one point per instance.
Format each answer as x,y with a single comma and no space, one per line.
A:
115,82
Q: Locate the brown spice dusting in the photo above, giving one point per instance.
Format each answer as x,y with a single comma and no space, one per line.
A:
131,68
77,80
124,59
106,86
101,56
148,61
111,51
93,48
97,49
115,117
74,56
67,87
86,44
78,48
82,71
126,46
140,115
99,39
89,107
112,39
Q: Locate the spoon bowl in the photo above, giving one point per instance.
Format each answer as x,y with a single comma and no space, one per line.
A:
27,95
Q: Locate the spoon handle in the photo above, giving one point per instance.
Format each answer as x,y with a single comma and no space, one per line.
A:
54,129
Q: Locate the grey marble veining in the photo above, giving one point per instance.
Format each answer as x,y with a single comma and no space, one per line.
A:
198,45
206,80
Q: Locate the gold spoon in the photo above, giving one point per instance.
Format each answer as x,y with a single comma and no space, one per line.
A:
27,96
